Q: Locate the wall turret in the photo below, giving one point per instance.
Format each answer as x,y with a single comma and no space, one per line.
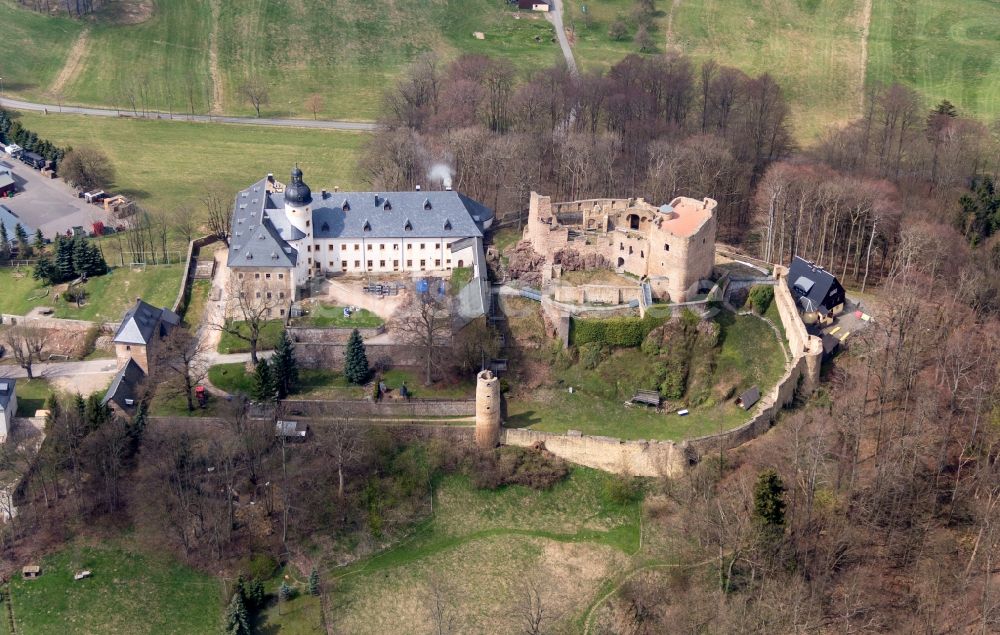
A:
487,410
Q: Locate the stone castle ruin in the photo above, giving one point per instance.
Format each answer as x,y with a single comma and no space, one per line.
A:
671,247
487,410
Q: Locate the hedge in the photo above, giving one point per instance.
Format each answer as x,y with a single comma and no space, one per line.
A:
619,331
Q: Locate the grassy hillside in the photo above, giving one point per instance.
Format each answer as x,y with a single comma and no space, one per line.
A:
812,47
35,48
350,52
945,49
167,164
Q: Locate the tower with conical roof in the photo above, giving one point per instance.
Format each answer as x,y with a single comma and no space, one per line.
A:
298,202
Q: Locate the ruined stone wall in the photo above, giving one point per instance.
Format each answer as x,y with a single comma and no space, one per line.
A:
597,294
637,458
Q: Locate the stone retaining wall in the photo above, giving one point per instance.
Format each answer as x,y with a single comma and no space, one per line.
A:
184,293
360,409
58,323
637,458
332,334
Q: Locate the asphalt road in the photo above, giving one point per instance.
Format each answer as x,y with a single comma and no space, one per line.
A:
321,124
555,17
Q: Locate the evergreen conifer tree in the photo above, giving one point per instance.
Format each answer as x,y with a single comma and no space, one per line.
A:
769,502
45,270
263,382
355,361
237,620
4,236
79,257
64,260
284,367
39,239
19,234
314,582
284,592
96,265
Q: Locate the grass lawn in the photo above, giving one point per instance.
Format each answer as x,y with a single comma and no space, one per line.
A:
944,49
166,165
128,593
811,47
36,47
32,395
749,351
269,333
176,406
592,47
110,295
479,548
301,615
460,276
196,305
329,315
414,379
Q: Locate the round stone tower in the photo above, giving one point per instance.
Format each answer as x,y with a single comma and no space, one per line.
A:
298,199
487,410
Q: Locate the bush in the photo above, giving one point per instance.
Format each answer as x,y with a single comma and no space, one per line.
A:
760,297
260,566
591,355
620,489
620,331
516,466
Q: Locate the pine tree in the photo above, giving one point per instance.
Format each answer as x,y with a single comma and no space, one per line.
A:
769,501
284,367
64,260
3,234
284,592
263,382
237,620
45,270
355,361
19,234
39,239
96,265
314,582
79,257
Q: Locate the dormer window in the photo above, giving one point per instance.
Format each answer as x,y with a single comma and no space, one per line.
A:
346,206
447,224
408,226
388,206
427,203
367,226
325,227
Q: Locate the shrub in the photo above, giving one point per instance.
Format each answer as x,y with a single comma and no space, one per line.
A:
760,297
620,331
260,566
621,489
516,466
591,355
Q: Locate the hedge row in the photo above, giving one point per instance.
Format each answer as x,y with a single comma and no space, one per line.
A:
619,331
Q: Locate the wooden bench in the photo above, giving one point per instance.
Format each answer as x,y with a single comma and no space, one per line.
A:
648,397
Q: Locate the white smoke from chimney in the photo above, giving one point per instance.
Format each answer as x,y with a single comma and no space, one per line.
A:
441,172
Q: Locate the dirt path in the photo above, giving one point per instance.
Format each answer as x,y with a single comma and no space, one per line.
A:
866,23
213,61
74,62
670,23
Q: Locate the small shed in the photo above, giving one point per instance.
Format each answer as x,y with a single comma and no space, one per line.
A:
749,398
294,430
7,184
33,159
31,572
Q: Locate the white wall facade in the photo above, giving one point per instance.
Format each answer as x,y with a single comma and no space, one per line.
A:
323,256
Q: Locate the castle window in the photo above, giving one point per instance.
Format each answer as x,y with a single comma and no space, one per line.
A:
309,248
437,262
356,247
281,276
641,254
240,276
343,264
381,246
621,247
281,295
437,245
307,223
127,347
410,246
409,263
395,247
369,247
268,295
258,294
422,246
395,264
381,263
282,312
666,247
357,263
630,249
329,247
369,264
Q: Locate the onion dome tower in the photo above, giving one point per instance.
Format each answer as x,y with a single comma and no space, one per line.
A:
298,202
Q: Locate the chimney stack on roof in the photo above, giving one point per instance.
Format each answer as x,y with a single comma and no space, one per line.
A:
418,187
336,188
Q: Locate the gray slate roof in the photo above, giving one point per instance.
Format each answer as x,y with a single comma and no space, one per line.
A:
125,386
6,179
6,393
260,230
813,286
144,321
10,220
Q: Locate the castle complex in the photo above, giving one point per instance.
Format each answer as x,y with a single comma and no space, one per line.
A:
283,236
671,247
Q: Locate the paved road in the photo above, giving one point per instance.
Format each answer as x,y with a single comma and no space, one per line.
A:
555,17
251,121
62,369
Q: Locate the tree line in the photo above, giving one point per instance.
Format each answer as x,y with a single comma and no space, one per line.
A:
11,131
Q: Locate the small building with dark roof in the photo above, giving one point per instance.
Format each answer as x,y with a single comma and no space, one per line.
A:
7,183
749,398
815,289
140,332
124,393
8,406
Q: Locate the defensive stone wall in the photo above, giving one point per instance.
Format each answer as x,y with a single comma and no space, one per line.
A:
333,334
360,409
184,293
637,458
57,323
597,294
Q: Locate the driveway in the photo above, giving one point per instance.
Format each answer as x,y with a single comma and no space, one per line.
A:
48,204
555,16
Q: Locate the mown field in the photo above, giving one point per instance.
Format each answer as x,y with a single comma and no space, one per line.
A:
167,165
128,592
944,49
35,48
108,295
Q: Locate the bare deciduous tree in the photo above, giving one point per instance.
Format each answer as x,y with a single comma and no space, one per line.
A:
217,206
26,344
181,360
254,90
426,326
250,305
314,104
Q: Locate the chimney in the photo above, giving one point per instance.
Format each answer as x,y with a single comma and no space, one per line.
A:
418,187
270,177
322,193
447,188
336,188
